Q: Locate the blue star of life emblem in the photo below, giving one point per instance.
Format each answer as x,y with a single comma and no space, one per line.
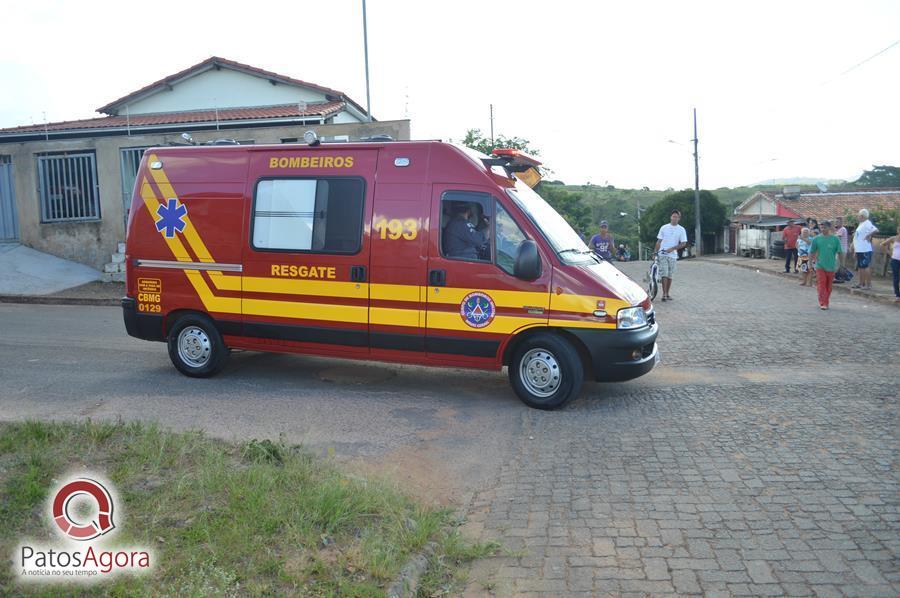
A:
171,218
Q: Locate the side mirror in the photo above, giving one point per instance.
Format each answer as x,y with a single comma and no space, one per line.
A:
528,261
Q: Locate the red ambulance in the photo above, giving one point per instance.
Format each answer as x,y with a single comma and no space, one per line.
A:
410,252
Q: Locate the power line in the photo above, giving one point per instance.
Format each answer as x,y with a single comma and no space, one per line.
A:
862,62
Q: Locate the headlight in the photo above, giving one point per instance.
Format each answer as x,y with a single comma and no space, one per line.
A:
631,317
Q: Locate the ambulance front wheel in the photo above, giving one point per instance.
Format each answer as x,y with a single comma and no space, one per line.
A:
195,346
546,372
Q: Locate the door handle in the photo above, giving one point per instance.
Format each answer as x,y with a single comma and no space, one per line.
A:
437,278
357,274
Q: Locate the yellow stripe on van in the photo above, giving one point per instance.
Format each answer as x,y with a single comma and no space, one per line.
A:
357,314
579,324
585,304
513,299
289,286
395,292
213,303
189,232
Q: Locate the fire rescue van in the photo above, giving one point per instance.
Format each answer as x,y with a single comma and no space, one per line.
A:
410,252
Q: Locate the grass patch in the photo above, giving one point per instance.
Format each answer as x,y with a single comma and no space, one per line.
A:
223,519
446,575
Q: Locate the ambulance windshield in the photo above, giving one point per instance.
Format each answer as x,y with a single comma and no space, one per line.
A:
564,240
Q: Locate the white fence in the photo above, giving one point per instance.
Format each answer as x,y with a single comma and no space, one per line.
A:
753,239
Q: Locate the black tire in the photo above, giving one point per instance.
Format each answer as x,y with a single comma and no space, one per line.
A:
202,341
568,368
652,289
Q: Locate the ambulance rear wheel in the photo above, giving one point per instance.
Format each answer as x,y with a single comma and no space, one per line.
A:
546,372
196,348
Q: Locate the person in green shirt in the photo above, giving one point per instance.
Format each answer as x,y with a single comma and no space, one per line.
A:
824,251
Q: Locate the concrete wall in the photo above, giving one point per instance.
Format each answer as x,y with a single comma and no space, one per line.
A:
91,243
222,89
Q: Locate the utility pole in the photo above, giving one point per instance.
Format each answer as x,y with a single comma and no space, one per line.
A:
697,236
492,125
640,248
366,50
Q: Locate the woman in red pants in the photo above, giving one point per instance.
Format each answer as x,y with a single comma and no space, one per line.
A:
823,252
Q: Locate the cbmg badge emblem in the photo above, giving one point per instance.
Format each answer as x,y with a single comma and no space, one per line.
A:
477,309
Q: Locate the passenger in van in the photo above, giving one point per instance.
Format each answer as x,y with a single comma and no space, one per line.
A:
462,239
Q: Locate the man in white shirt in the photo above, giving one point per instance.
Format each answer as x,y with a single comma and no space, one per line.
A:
670,239
862,245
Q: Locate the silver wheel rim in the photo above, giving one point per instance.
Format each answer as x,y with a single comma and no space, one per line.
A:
540,373
194,346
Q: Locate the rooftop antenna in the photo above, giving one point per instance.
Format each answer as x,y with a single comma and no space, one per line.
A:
46,133
492,125
366,50
822,187
216,105
127,120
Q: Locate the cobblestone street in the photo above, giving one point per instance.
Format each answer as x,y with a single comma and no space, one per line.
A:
760,458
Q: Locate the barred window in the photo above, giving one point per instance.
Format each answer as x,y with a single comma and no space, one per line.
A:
68,187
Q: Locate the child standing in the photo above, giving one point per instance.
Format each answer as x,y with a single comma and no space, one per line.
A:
824,250
803,244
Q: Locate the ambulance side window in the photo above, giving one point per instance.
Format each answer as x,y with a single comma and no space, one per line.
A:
317,215
509,236
465,225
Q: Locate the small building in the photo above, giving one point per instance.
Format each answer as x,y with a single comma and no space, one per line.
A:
757,222
65,187
821,205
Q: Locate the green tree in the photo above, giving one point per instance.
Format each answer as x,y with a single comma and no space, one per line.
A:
712,214
569,204
476,140
879,176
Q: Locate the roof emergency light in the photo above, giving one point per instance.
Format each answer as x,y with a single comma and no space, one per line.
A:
517,164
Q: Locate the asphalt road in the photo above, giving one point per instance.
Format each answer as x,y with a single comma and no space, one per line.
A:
760,456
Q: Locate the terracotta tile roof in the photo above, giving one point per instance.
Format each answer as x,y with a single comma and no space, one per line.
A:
831,205
216,61
198,116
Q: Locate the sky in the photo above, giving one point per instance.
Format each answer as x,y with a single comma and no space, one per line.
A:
604,90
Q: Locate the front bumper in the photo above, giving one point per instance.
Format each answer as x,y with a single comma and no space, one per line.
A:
145,326
612,351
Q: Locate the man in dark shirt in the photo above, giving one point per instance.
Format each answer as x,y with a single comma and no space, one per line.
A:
461,238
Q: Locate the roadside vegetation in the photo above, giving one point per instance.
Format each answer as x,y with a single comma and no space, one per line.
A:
585,206
225,519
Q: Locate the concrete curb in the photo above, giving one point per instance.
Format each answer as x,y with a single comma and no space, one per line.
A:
884,299
407,582
51,300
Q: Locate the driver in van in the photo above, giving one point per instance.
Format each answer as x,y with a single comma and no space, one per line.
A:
462,239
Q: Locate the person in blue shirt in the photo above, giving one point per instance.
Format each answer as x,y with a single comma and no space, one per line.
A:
603,243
